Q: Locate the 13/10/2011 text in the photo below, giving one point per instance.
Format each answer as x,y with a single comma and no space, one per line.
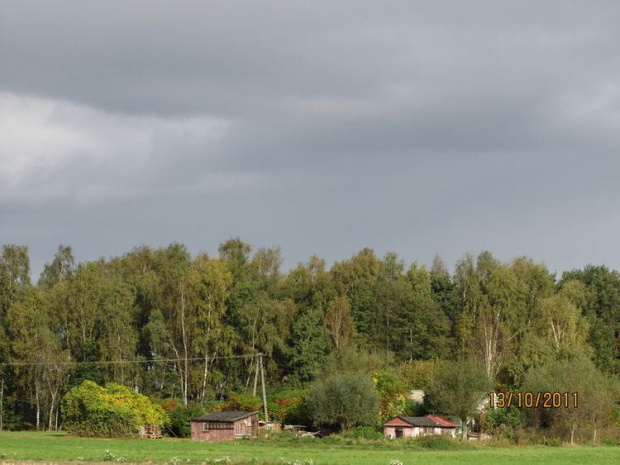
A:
533,399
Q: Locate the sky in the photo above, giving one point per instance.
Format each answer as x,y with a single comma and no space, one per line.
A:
323,127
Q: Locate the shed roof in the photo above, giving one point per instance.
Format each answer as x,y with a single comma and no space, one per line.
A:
431,421
224,417
418,421
443,422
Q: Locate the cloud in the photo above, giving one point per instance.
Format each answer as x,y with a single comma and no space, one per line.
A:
51,150
324,127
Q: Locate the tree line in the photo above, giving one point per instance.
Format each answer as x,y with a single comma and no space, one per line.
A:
172,325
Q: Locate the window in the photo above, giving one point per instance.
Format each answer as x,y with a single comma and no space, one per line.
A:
399,432
205,427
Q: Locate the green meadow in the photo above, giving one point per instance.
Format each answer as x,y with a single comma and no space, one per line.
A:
58,448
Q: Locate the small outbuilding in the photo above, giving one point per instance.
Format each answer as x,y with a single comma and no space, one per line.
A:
224,426
430,425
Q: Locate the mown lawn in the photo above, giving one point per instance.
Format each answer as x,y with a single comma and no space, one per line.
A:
56,447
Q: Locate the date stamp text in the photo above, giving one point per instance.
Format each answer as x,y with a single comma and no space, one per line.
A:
533,399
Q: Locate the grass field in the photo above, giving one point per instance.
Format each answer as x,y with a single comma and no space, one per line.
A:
57,447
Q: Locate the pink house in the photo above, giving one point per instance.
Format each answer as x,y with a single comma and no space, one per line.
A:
405,427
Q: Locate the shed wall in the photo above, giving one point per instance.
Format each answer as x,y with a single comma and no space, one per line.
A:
243,427
212,435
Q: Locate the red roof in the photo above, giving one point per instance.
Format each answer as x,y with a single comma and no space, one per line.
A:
441,421
397,421
431,421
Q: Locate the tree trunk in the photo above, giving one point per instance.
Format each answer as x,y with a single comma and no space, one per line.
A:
38,410
51,419
464,429
37,400
185,354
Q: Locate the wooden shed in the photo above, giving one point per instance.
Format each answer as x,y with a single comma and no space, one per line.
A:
224,426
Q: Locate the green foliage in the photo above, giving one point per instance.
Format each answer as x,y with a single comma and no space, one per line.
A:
344,399
600,302
116,411
290,407
349,358
180,416
458,389
308,353
366,432
197,321
244,402
502,422
419,374
148,413
597,392
437,443
391,392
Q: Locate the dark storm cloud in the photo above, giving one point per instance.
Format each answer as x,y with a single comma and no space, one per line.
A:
323,127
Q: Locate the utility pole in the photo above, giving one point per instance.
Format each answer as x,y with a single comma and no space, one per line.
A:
256,376
262,379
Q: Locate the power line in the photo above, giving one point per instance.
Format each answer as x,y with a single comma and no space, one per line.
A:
118,362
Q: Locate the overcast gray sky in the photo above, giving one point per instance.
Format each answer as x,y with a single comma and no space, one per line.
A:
323,127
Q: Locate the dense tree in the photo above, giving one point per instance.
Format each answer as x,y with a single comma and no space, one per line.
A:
601,308
60,269
459,388
210,282
469,300
14,282
171,324
310,345
14,275
562,323
590,393
339,323
41,366
345,400
357,278
442,288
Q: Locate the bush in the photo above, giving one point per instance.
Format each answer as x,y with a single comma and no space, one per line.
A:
93,411
366,432
180,416
290,407
391,392
244,402
502,422
609,441
437,443
147,412
346,400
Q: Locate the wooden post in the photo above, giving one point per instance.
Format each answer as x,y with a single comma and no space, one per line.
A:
262,379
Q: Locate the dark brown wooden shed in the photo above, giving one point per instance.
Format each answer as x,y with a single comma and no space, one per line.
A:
224,426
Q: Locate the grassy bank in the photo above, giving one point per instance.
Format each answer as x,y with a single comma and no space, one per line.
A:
57,447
